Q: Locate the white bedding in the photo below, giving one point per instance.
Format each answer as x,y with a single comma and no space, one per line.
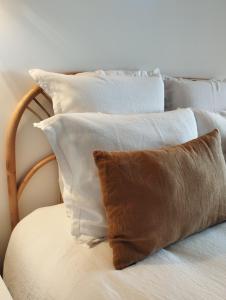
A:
43,261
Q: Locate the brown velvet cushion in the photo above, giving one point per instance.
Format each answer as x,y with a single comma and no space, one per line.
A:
155,198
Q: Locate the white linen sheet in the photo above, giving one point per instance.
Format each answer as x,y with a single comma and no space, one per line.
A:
44,261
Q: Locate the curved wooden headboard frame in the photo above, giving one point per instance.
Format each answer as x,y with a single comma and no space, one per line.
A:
16,188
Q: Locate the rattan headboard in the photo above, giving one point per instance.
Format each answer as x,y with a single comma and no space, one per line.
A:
16,186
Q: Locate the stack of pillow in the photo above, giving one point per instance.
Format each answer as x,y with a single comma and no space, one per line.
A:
131,172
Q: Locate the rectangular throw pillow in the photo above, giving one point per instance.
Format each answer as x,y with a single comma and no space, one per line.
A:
116,92
74,137
202,94
155,198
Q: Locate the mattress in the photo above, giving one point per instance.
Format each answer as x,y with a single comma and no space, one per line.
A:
43,261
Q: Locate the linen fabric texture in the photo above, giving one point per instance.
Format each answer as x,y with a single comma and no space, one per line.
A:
154,198
114,92
191,269
75,136
201,94
207,121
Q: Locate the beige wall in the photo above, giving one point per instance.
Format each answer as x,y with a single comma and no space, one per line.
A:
181,37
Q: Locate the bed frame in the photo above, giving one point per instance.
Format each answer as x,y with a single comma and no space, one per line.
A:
17,186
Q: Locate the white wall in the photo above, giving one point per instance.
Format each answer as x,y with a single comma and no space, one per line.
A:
181,37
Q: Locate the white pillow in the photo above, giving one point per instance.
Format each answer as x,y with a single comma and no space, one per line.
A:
103,92
74,137
202,94
207,121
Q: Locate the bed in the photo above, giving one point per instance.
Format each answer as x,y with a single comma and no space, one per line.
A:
44,261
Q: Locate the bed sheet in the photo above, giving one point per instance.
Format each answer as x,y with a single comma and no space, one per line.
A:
43,261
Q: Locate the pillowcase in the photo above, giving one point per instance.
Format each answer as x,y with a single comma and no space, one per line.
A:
207,121
202,94
155,198
74,137
129,72
102,92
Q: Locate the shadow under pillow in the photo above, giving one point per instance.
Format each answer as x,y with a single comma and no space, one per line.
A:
154,198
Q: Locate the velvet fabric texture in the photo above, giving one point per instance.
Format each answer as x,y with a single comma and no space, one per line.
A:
155,198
